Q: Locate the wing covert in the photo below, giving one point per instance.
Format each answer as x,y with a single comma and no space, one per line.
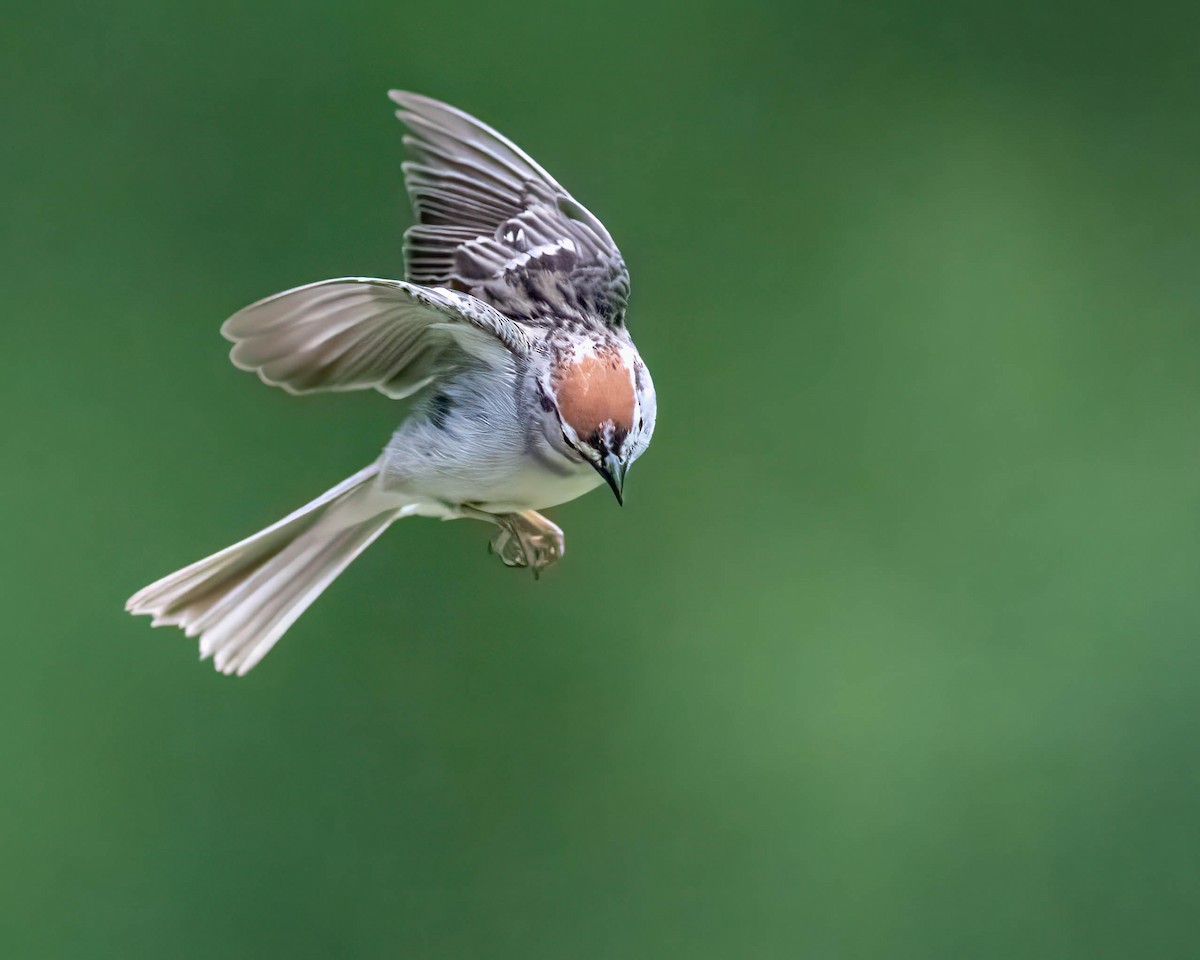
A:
491,222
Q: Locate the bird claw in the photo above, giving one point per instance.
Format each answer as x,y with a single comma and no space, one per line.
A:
522,541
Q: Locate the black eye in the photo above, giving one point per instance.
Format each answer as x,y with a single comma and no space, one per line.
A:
570,446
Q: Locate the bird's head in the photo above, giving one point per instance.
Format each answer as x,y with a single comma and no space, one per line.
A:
605,407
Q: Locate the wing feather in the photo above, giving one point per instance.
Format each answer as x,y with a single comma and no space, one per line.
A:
359,333
493,223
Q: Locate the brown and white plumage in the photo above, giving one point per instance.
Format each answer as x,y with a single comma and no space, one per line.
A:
494,224
509,335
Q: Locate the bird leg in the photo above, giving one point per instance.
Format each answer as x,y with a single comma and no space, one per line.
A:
525,539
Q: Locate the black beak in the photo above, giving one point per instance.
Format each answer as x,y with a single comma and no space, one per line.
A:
613,471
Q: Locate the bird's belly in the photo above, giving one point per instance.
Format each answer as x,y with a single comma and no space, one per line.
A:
534,488
496,473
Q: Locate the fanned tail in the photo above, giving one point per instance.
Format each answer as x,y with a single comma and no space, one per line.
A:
241,600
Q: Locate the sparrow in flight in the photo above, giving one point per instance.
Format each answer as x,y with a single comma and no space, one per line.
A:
509,335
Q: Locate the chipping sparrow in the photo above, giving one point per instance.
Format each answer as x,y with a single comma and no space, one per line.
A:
509,333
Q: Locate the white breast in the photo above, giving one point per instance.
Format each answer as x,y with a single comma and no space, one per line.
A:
489,469
468,442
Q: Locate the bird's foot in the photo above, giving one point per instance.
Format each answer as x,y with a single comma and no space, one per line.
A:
527,539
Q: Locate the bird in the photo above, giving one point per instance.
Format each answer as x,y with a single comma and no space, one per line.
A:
508,337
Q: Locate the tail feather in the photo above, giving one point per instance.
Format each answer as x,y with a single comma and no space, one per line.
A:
241,600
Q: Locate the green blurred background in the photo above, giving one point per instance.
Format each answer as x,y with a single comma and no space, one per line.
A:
894,651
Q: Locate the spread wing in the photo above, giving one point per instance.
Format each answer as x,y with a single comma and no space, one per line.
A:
358,333
494,224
